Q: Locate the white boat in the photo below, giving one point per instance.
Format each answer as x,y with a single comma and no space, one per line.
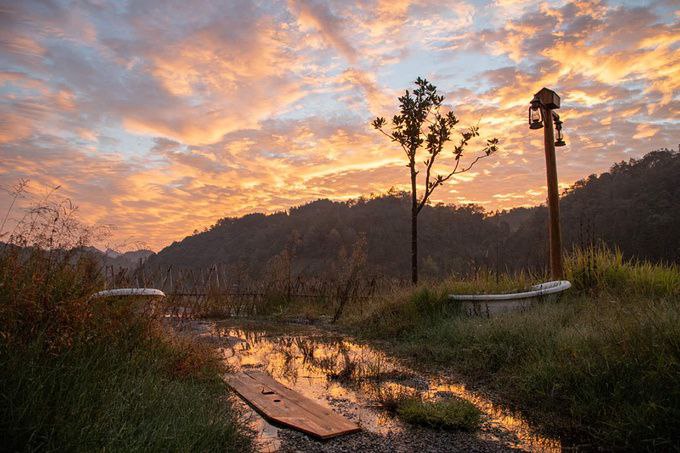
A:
492,304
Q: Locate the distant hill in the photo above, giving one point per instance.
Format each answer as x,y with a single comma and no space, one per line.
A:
635,206
126,260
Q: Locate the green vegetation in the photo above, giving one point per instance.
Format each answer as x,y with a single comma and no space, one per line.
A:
451,413
83,376
600,365
134,394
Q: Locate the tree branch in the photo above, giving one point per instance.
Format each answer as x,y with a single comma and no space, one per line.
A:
442,180
454,172
391,137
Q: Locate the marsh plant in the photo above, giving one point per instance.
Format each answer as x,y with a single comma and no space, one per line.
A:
410,405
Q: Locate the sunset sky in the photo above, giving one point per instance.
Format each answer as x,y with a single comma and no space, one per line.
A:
161,117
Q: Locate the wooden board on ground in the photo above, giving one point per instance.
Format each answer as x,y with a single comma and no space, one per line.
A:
282,405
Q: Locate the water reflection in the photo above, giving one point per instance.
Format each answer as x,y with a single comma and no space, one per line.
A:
348,376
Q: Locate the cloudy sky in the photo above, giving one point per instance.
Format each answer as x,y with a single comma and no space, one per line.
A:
159,117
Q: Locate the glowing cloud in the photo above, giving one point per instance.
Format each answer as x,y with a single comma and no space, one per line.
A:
160,118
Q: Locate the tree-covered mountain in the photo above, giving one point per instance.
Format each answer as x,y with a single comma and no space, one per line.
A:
635,206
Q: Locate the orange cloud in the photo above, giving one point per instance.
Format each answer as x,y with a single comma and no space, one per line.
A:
161,118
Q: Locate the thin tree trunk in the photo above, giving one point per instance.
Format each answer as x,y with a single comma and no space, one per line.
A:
414,228
414,248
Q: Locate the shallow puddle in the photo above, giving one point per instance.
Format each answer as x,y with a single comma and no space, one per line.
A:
347,376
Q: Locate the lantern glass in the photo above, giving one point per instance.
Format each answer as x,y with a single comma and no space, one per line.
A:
560,138
535,116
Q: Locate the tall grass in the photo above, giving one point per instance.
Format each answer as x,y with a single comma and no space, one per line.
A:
396,312
599,365
82,376
128,394
597,269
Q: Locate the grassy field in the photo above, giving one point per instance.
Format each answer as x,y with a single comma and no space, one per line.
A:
601,365
79,376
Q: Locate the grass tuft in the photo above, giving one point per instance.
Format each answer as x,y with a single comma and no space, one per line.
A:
596,270
450,414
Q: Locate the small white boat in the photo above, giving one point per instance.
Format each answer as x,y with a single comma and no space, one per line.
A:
134,292
492,304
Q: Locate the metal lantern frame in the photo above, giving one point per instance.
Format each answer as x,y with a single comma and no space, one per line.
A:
559,138
537,112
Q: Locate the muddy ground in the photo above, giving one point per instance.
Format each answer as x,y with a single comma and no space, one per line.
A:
345,375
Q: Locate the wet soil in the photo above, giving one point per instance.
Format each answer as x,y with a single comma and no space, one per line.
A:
348,376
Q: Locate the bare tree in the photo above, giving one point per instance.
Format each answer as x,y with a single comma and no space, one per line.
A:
420,124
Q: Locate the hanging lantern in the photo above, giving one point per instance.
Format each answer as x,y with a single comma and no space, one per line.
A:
558,126
535,115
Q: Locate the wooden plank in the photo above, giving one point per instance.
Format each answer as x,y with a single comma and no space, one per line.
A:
322,415
280,404
287,407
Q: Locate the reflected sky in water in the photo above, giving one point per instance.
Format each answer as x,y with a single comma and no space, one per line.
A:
347,376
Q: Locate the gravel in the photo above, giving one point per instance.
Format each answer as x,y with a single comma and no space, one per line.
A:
409,440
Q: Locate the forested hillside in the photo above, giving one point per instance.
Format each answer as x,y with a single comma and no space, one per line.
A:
635,206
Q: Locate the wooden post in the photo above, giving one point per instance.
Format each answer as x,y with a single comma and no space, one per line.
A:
550,100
